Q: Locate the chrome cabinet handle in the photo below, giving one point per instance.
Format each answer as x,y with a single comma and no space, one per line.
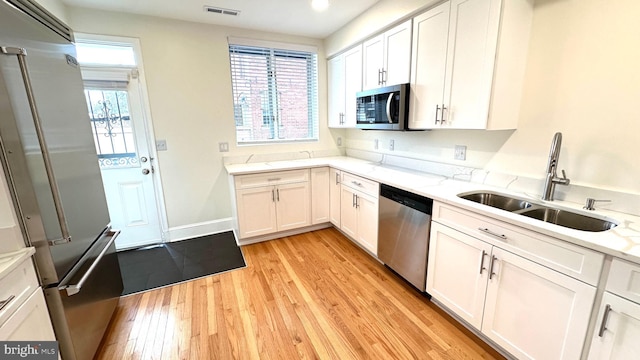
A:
337,178
274,179
277,194
484,253
605,319
357,204
353,200
4,303
356,183
437,109
442,119
379,76
55,192
273,195
493,260
75,288
487,231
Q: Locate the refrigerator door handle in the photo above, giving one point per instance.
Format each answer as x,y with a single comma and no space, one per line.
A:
21,53
75,288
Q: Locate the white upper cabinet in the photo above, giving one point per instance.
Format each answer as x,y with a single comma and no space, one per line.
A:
345,80
386,58
460,79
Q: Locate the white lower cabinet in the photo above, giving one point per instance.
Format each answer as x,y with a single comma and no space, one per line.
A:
273,202
29,322
528,309
320,196
335,189
359,211
617,330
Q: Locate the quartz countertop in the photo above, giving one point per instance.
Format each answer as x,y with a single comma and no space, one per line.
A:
11,260
623,241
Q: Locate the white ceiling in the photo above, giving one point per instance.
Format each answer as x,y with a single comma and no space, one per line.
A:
282,16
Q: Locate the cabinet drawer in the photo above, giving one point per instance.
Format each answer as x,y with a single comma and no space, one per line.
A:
17,286
624,280
356,182
578,262
271,178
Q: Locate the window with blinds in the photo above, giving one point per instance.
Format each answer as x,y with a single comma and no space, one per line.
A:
275,94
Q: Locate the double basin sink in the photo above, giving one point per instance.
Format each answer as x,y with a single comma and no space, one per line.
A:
561,217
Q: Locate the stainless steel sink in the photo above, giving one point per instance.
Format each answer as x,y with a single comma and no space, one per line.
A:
569,219
497,201
561,217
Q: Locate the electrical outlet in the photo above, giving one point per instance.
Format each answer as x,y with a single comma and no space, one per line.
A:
223,146
375,144
392,144
460,152
339,141
161,145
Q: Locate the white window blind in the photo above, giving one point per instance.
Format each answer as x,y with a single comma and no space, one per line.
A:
275,94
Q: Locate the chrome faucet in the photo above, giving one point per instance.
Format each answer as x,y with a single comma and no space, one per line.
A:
552,166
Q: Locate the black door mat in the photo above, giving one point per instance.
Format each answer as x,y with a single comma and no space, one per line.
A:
170,263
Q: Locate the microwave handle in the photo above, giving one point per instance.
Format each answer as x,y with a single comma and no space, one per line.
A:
389,100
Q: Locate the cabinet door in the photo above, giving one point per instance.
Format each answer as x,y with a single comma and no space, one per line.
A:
348,212
372,62
334,193
397,54
535,312
352,84
320,196
256,211
473,36
292,206
429,56
367,214
457,272
30,322
619,340
336,75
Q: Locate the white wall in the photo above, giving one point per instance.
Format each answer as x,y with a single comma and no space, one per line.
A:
582,79
189,84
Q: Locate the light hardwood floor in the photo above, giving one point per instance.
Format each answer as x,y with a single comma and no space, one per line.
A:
310,296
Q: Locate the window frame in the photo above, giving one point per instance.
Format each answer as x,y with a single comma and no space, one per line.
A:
271,51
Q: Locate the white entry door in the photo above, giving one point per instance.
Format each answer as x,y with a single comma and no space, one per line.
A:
115,108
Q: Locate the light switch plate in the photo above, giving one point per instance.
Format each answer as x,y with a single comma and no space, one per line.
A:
223,146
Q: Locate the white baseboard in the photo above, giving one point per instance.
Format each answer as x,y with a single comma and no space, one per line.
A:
261,238
198,229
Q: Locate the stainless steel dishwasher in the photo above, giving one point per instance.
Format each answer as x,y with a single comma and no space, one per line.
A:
403,233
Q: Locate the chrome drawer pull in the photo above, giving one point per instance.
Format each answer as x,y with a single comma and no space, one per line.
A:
274,179
356,183
4,303
487,231
605,319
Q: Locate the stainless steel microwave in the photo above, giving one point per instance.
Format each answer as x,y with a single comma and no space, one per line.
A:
384,108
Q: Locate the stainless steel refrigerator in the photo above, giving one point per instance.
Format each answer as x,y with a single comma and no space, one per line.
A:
49,159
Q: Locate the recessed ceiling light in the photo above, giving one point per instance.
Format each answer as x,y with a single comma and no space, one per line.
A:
319,5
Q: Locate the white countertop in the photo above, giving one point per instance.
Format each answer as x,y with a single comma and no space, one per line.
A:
11,260
623,241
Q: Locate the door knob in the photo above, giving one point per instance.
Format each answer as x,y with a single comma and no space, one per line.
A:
145,171
144,159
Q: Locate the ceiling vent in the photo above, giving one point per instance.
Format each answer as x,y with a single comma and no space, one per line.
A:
217,10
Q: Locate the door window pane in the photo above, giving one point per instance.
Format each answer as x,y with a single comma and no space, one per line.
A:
112,128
